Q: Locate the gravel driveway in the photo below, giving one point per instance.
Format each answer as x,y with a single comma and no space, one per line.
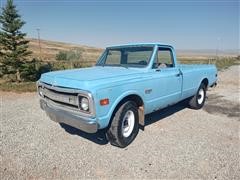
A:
177,142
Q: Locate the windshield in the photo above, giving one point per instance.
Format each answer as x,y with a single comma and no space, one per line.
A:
126,56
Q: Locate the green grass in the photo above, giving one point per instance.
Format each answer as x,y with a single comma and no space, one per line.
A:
18,87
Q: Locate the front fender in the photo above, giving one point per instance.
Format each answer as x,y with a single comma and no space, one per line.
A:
104,120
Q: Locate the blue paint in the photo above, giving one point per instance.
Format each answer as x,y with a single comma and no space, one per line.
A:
168,85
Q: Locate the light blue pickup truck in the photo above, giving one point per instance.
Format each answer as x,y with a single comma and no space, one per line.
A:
128,82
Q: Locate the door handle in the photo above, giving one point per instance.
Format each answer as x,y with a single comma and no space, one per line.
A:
178,74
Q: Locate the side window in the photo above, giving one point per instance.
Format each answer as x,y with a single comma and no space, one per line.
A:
164,58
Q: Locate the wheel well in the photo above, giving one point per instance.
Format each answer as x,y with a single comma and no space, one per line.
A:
135,98
205,82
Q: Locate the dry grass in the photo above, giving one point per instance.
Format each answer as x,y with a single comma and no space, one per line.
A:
31,86
90,55
221,63
18,87
49,49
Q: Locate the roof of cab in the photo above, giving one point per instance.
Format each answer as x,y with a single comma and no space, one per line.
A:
140,44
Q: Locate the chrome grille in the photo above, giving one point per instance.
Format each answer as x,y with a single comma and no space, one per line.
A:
61,97
66,98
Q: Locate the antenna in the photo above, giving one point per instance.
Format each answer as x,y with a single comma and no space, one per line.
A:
39,43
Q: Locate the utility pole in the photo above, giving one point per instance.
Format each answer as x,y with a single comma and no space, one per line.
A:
39,44
1,7
218,48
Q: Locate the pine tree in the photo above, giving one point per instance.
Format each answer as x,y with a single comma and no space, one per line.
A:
14,48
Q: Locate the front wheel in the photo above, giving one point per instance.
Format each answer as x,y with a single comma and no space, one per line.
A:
124,127
198,100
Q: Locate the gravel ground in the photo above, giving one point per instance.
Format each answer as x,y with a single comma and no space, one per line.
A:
177,142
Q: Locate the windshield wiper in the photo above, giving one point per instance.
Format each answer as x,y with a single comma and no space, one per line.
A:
100,64
122,65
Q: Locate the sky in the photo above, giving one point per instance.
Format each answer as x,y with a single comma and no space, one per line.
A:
187,24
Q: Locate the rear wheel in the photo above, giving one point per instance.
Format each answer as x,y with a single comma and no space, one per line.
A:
124,127
198,100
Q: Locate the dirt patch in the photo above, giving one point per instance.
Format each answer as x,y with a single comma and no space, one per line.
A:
217,105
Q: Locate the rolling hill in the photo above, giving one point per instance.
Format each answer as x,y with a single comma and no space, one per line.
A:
49,49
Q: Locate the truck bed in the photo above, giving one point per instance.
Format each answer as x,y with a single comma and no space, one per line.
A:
193,74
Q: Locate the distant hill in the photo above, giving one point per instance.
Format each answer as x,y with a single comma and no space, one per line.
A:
49,49
206,53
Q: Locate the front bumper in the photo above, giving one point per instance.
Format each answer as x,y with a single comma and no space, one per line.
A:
73,119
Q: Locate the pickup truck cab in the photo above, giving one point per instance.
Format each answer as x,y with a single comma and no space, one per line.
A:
127,82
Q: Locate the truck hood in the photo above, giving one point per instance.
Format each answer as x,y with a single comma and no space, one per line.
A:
86,78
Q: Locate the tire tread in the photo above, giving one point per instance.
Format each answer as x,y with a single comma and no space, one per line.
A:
113,131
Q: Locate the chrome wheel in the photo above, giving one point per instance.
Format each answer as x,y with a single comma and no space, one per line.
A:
128,123
200,97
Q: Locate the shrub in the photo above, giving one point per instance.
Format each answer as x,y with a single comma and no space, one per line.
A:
32,70
72,55
62,56
29,71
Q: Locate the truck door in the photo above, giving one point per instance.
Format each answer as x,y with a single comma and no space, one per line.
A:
168,78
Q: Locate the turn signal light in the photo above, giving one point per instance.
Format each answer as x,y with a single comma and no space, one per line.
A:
104,102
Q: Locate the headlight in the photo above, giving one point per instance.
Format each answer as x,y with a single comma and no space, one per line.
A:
84,104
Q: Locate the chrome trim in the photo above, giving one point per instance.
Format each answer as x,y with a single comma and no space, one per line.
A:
68,99
86,94
90,101
62,107
73,119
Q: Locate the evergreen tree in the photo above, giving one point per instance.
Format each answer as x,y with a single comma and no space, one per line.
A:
14,48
